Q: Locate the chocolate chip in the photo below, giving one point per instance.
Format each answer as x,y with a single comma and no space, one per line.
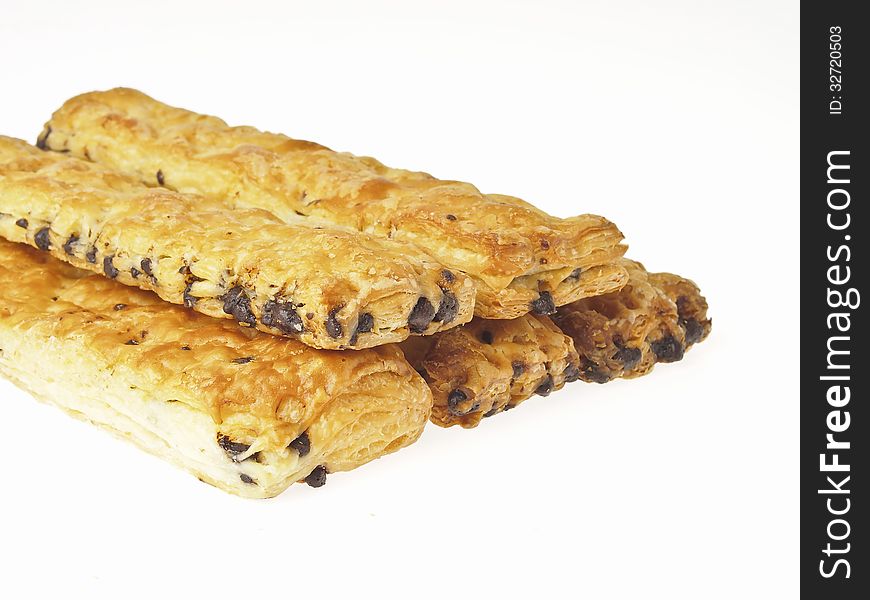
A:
546,387
91,255
451,217
309,316
233,449
247,479
68,245
302,444
508,407
243,360
667,349
486,336
186,348
22,223
135,272
448,276
694,330
109,268
544,304
455,399
365,323
490,412
42,140
629,357
282,316
43,239
545,244
543,261
571,373
146,267
519,368
237,304
592,372
421,315
131,343
333,327
120,306
575,274
189,301
683,307
317,477
448,309
159,177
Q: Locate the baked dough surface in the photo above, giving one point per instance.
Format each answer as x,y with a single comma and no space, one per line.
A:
327,286
488,366
521,258
655,318
248,412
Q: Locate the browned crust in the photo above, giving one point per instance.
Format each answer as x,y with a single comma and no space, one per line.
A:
261,391
519,256
316,283
655,318
489,366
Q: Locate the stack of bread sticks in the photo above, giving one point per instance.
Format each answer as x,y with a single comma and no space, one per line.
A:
262,310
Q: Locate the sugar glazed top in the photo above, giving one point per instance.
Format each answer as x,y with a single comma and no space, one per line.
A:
522,258
327,286
279,406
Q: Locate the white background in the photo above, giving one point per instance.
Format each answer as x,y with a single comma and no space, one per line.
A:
677,120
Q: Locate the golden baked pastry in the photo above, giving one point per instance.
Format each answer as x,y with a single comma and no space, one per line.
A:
488,366
242,410
326,286
656,317
521,258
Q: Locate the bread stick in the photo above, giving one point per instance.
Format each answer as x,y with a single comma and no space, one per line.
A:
655,318
521,258
489,366
326,286
248,412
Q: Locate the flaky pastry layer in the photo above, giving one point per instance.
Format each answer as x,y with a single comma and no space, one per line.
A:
245,411
655,318
521,258
325,286
489,366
